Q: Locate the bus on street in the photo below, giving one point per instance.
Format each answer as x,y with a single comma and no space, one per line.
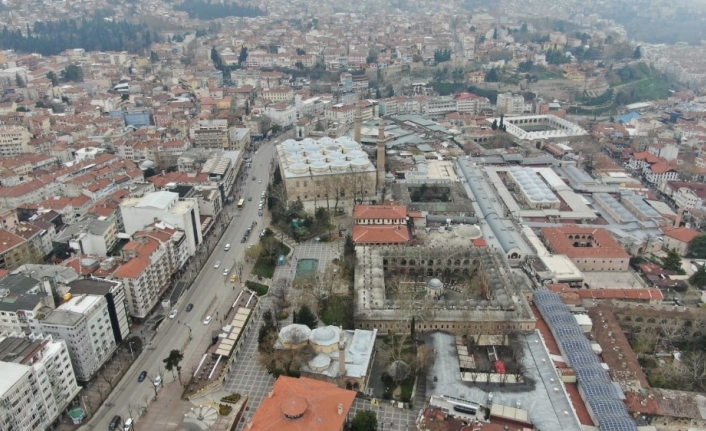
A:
241,203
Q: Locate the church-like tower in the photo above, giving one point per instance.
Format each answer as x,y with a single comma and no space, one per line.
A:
358,125
381,155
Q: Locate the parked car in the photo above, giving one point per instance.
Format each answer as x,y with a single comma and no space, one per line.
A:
189,307
158,380
117,420
142,376
217,264
259,181
225,272
173,313
207,320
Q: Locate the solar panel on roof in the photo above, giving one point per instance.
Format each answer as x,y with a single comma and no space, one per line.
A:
598,389
608,407
615,423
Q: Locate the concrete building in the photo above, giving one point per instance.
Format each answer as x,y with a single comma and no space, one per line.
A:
84,323
21,299
210,134
591,249
15,251
327,170
91,236
687,195
239,138
14,140
37,382
380,225
281,114
165,206
114,293
679,239
510,104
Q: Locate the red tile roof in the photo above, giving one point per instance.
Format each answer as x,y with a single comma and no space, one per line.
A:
626,294
647,156
314,404
683,234
603,244
133,268
379,234
378,212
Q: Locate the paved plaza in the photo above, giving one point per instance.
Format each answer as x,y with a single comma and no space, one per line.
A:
251,379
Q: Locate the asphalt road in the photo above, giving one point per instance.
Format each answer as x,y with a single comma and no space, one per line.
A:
210,283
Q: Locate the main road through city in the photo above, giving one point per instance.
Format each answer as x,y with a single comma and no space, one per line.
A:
209,283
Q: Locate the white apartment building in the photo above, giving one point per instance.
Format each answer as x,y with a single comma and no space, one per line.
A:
341,113
510,104
282,114
14,140
37,382
147,272
29,297
84,323
439,106
165,206
114,293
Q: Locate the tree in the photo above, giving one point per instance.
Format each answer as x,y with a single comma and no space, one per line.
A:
637,54
698,279
502,122
307,317
492,75
20,81
243,55
494,126
172,361
523,29
53,78
495,33
698,247
300,51
152,380
672,261
72,72
364,420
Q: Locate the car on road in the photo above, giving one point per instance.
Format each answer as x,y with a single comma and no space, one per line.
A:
189,307
259,181
249,198
259,213
142,376
233,278
127,426
243,239
158,380
254,178
227,247
217,264
225,272
207,320
173,313
117,420
262,195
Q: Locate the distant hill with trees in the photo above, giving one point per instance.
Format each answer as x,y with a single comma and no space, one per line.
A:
91,34
200,9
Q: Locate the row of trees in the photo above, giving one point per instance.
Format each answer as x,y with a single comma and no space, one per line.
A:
205,10
91,34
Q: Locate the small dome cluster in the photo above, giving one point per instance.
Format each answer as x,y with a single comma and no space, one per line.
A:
532,186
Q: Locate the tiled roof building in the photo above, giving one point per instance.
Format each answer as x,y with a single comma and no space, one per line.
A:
590,249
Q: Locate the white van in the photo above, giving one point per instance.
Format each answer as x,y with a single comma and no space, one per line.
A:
128,425
227,247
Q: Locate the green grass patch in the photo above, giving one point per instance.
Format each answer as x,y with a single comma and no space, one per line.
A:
258,288
265,264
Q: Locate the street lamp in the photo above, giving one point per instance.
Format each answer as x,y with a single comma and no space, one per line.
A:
131,352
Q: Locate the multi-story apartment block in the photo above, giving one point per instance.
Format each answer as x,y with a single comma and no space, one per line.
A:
165,206
114,293
281,114
15,251
471,103
14,140
91,236
84,323
279,94
654,169
210,134
510,104
27,297
37,382
341,113
687,195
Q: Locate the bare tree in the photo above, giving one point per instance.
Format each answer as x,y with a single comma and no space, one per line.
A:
279,293
283,358
156,381
106,377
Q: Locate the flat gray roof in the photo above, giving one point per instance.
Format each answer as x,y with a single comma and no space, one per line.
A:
19,293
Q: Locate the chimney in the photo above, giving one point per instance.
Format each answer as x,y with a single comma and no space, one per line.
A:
341,353
680,216
358,124
249,425
340,409
270,394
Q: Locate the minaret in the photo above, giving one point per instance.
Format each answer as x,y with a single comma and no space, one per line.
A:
341,354
358,125
381,155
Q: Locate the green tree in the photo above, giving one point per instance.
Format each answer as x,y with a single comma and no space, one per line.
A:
672,261
307,317
364,420
300,51
53,78
502,122
495,33
698,279
698,247
172,361
243,55
637,54
19,80
72,72
523,29
492,75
